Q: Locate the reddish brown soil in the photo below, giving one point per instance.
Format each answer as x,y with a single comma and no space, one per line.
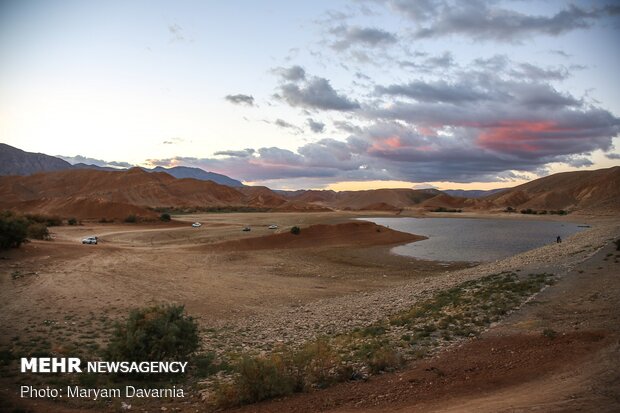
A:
351,233
478,366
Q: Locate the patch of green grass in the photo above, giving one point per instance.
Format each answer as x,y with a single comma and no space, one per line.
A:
460,312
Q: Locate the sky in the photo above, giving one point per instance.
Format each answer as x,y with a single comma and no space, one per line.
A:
338,94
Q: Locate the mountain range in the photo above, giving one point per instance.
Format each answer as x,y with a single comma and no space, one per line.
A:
95,193
14,161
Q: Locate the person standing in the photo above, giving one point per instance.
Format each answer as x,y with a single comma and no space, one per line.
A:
558,240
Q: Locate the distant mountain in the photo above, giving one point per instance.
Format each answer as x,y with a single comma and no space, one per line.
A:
386,199
14,161
472,193
197,173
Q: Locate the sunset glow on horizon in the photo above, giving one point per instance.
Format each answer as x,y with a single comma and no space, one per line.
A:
335,95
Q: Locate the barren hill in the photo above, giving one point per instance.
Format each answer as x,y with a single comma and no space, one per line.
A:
117,194
388,199
359,233
584,191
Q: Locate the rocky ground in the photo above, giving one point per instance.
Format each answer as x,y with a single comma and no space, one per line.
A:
341,314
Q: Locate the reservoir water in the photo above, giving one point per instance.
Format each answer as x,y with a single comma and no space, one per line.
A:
471,239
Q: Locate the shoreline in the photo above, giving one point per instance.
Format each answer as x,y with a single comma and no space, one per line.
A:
340,314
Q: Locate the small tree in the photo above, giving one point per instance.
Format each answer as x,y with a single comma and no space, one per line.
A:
38,230
165,217
72,221
156,333
13,230
295,230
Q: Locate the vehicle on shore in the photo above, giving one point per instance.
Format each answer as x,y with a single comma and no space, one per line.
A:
246,229
90,240
273,226
196,224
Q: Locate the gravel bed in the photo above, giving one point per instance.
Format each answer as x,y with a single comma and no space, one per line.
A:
332,316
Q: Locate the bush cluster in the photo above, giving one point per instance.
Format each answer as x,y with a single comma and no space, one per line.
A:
13,230
443,209
287,371
295,230
157,333
16,229
542,212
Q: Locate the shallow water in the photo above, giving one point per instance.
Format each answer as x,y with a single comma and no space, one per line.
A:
471,239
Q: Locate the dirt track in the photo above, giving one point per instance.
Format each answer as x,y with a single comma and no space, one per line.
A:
513,366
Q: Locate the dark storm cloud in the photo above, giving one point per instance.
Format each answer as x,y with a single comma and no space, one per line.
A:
349,36
240,99
315,126
316,93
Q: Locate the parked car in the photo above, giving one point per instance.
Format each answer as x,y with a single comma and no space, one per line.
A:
196,224
247,229
273,226
90,240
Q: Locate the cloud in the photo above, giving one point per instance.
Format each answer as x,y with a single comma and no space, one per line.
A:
92,161
315,126
240,99
286,125
612,155
316,93
483,20
236,154
176,33
363,36
173,141
293,73
439,91
347,127
429,64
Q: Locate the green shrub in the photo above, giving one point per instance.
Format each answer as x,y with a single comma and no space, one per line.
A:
72,221
295,230
38,230
13,230
261,378
131,219
155,334
165,217
48,220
